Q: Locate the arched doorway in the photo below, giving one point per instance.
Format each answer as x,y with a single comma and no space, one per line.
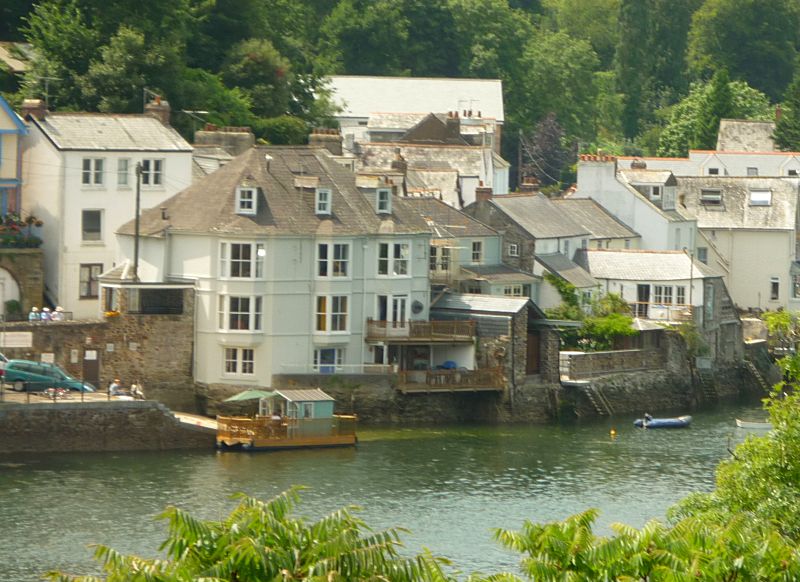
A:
9,289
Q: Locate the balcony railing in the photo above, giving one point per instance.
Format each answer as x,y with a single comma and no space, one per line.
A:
446,380
661,311
420,330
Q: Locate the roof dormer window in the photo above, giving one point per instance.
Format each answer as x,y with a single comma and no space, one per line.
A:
710,197
384,201
322,201
760,197
246,200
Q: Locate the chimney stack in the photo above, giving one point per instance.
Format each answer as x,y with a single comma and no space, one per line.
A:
483,193
329,139
35,108
529,185
159,109
399,163
778,112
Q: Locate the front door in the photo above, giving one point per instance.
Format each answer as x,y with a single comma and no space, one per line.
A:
91,367
399,311
642,300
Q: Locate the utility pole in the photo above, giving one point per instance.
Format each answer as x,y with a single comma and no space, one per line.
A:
136,228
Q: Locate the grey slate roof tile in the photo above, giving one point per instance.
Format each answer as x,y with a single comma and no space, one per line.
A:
640,265
539,216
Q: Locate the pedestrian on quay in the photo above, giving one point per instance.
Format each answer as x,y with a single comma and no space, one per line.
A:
58,314
137,391
115,388
45,315
34,314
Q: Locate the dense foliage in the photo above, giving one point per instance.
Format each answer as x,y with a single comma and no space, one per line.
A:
615,74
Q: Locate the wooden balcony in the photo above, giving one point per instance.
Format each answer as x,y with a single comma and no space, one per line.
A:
661,311
418,381
420,331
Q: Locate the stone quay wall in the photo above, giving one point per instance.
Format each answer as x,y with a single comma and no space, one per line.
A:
96,426
157,350
586,365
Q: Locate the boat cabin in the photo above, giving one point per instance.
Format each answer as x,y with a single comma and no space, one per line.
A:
289,419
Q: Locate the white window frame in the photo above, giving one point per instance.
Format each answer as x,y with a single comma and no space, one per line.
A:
246,200
513,290
477,252
333,260
439,261
760,197
228,264
93,238
383,200
774,289
322,201
655,192
513,250
396,262
332,314
338,357
713,171
702,255
751,171
152,175
254,313
92,171
123,172
662,294
238,361
680,295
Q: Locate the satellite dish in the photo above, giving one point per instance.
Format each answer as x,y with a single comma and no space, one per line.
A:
417,307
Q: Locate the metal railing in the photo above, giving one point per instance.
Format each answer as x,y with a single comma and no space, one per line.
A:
486,378
661,311
421,330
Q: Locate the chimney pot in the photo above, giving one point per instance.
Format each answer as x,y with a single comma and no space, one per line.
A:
483,193
35,108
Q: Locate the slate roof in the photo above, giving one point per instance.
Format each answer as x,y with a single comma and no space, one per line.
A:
594,218
559,264
361,96
645,176
735,211
482,303
743,135
499,273
539,216
208,206
446,221
110,132
396,121
639,265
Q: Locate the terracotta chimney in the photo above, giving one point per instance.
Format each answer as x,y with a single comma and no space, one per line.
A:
35,108
158,108
778,112
483,193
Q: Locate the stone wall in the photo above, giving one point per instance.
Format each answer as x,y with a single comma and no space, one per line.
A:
95,426
157,350
586,365
27,268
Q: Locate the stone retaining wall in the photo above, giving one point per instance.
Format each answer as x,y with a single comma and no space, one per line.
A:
586,365
96,426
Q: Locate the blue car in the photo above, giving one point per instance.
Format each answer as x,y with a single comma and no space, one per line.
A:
27,375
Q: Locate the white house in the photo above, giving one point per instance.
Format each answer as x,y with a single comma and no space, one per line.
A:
295,270
79,178
642,199
389,106
748,233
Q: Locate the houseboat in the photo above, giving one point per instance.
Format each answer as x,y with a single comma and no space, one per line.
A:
288,419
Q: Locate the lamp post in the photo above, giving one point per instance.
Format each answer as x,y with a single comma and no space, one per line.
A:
136,222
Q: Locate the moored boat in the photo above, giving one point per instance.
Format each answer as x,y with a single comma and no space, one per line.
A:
753,424
288,419
677,422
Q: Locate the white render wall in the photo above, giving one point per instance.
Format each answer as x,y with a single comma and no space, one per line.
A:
60,197
628,289
727,163
289,289
598,180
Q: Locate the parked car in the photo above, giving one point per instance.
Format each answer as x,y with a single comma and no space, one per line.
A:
39,376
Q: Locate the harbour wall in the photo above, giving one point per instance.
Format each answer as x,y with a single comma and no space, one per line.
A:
96,426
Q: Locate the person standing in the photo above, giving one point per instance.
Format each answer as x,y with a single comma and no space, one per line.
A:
58,314
115,388
45,315
34,316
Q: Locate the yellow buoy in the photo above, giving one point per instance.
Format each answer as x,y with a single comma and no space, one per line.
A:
613,432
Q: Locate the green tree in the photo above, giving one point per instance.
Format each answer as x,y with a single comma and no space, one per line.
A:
717,106
264,541
684,117
755,41
565,67
787,128
255,67
633,62
594,21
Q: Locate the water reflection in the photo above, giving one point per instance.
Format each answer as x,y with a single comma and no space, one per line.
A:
449,486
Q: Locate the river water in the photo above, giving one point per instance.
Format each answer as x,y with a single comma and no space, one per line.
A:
449,485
